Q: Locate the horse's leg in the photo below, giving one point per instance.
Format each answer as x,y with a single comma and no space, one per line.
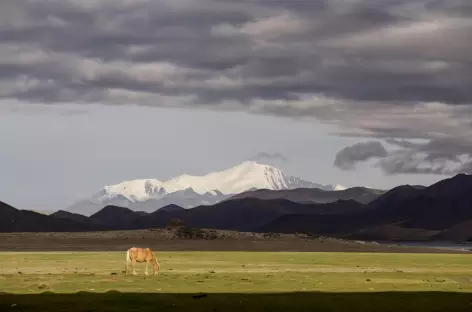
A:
156,266
146,271
133,264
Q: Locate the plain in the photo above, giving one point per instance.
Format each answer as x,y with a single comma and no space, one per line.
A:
227,281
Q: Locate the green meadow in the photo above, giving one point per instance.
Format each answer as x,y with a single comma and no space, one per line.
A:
235,281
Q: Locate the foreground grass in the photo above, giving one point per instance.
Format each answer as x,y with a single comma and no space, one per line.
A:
237,280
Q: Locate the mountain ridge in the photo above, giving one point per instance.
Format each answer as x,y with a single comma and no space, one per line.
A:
234,180
440,211
363,195
411,211
189,191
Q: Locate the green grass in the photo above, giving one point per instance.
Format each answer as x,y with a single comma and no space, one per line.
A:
94,281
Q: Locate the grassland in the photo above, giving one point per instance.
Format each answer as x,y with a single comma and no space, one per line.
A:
231,281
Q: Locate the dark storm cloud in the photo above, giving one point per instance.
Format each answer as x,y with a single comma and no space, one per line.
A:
433,157
383,69
349,156
301,45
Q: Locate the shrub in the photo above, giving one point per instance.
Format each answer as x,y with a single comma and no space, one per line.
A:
175,223
270,235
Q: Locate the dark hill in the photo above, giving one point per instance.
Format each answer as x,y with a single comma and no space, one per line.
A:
249,214
171,208
14,220
116,218
459,232
70,216
241,215
437,207
408,212
5,208
312,195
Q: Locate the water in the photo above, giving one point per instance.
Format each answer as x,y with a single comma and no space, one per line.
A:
438,245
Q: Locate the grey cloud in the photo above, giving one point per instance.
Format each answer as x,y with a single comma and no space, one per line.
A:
269,50
376,69
270,157
411,162
433,157
349,156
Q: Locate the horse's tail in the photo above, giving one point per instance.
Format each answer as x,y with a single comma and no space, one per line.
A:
127,260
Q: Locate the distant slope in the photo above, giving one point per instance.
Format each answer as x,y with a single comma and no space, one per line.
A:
459,232
171,208
113,217
69,216
392,232
242,215
14,220
186,198
417,212
249,214
313,195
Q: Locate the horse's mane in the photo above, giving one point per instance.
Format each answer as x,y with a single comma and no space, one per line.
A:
155,260
153,256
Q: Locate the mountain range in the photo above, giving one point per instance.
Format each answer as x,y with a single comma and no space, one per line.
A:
441,211
313,195
189,191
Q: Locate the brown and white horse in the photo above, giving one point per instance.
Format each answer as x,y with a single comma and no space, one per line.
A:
140,255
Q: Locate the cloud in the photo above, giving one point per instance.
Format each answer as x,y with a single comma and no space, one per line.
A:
433,157
269,157
236,50
376,69
347,158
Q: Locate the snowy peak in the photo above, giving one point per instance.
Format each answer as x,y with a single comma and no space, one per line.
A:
240,178
245,176
338,187
234,180
190,191
134,190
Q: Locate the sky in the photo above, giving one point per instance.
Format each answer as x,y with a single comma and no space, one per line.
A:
359,92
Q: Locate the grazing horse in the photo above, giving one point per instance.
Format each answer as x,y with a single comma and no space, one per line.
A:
140,255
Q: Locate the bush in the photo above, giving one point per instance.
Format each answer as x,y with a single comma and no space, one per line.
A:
307,235
196,233
211,235
270,235
187,233
175,223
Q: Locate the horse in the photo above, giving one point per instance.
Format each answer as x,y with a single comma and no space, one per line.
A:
140,255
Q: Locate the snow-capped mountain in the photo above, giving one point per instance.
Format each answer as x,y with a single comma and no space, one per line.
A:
337,187
189,191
